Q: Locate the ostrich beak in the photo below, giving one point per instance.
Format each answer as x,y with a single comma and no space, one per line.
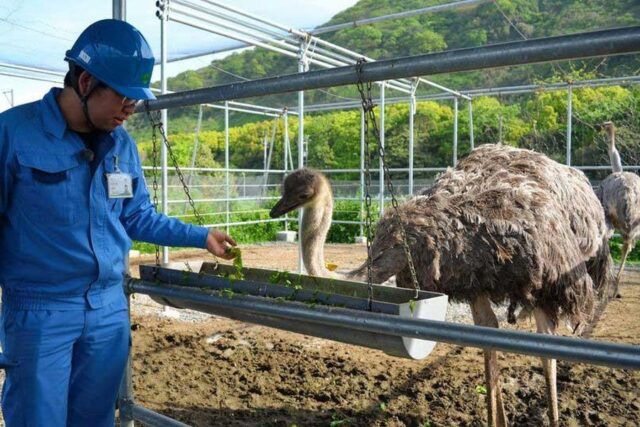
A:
283,206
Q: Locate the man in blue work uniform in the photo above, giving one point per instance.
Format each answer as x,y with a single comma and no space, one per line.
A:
72,195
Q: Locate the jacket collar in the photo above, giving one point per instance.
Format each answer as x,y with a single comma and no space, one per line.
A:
52,119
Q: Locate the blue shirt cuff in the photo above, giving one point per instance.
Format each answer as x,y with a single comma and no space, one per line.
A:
198,237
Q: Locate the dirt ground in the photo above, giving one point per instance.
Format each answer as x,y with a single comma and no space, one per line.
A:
218,372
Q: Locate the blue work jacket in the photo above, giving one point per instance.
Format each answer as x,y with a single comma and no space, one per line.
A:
63,241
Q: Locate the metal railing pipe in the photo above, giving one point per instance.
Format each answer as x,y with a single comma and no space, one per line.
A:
549,346
399,15
583,45
33,69
30,77
507,90
153,419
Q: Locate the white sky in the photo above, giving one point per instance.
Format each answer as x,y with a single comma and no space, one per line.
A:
38,32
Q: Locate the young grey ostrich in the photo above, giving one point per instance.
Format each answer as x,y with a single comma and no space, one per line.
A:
505,225
619,194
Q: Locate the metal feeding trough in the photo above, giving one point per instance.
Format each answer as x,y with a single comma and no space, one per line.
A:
297,291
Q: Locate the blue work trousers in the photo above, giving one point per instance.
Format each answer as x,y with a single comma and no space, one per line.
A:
70,364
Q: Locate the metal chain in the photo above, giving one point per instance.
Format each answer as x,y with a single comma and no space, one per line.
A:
157,126
367,105
154,173
370,116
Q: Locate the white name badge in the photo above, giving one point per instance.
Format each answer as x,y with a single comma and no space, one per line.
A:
119,185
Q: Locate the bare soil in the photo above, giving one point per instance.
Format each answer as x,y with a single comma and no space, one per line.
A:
219,372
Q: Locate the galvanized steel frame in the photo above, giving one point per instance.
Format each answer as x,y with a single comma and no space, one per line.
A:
609,354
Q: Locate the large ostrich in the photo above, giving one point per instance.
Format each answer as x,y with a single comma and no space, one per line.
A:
505,225
619,194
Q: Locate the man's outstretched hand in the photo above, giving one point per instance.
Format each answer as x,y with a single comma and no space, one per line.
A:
218,243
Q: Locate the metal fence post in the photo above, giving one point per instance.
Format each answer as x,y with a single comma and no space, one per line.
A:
471,141
125,396
303,66
382,132
285,151
227,180
362,137
412,113
569,121
455,131
164,22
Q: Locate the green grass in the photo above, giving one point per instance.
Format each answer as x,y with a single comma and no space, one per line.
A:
615,245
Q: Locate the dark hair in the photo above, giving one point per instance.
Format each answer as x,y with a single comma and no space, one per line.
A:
72,76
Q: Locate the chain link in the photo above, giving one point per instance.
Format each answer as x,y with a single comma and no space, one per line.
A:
367,105
158,127
154,174
370,117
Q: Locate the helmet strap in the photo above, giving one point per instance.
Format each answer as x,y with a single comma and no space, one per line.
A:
85,110
83,98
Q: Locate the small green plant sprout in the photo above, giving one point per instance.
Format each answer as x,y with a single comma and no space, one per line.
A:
237,262
481,389
228,293
412,305
276,277
383,406
339,420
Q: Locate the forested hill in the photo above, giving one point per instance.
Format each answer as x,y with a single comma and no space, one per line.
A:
492,22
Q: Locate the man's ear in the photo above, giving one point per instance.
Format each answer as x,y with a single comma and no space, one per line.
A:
85,83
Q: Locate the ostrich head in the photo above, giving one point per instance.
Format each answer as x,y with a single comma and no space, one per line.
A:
310,191
302,188
614,156
610,129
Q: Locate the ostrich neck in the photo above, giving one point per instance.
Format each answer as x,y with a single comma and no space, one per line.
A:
316,220
614,156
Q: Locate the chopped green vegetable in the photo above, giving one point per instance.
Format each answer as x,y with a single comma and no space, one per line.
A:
480,389
412,305
237,263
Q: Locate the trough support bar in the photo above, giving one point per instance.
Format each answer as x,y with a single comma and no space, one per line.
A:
153,419
583,45
547,346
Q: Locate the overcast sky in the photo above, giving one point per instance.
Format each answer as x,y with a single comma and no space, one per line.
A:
38,32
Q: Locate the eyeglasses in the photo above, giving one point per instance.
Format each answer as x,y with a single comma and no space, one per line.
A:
125,101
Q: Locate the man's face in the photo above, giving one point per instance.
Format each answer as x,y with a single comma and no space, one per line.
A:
108,109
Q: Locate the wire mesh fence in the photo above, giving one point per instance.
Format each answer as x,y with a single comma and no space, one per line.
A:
563,123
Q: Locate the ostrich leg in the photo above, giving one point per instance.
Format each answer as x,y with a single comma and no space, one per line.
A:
626,248
483,315
545,326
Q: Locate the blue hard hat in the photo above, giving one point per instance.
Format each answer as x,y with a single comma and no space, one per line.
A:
118,55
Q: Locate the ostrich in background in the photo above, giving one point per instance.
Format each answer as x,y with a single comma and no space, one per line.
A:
619,194
506,225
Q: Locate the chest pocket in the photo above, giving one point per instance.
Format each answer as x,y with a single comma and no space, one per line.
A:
45,186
